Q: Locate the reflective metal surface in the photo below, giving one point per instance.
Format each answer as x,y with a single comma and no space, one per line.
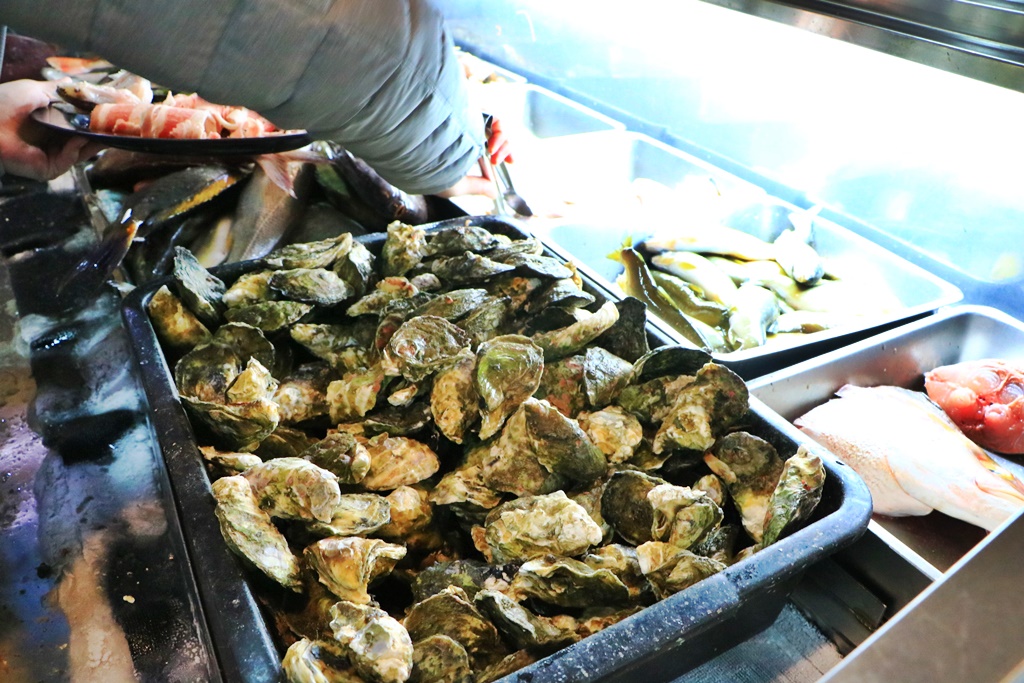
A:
900,357
965,627
96,584
901,139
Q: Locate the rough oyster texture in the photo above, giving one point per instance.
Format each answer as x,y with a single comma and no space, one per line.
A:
462,456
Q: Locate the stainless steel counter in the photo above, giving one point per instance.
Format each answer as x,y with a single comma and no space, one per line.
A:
96,585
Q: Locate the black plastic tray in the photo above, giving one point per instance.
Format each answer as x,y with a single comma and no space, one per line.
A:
663,641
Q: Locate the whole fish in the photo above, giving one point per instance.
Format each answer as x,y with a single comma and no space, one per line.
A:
754,311
985,398
637,280
912,457
266,211
798,258
711,239
698,270
793,250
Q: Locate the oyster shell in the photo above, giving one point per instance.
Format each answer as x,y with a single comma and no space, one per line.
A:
505,666
357,514
411,513
455,304
235,426
468,574
200,291
377,644
669,361
450,612
320,661
284,442
356,268
269,316
460,239
422,346
567,582
311,285
487,319
254,383
750,468
622,561
346,347
572,339
250,288
251,534
340,454
321,254
627,338
796,495
534,526
404,247
540,450
682,516
520,626
704,409
467,268
177,327
439,659
508,371
604,376
713,486
562,386
454,401
624,504
227,463
355,394
720,544
348,565
516,288
293,488
206,372
386,290
398,461
302,395
563,292
614,431
670,569
536,264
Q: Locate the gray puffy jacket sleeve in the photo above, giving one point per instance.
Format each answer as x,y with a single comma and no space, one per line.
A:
380,77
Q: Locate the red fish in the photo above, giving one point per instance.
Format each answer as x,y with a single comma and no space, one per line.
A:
985,398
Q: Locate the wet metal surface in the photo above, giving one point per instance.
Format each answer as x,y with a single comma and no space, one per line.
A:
96,585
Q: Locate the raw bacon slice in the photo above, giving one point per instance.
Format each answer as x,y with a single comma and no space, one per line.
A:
985,398
161,121
235,122
117,119
154,121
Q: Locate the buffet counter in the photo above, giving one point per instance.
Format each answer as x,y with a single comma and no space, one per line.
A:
100,583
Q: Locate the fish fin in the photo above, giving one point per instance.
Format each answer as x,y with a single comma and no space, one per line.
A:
276,168
1014,487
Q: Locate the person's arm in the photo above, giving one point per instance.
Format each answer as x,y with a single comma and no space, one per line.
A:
380,77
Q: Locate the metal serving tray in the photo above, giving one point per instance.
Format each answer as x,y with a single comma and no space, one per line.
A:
934,542
924,643
662,641
759,214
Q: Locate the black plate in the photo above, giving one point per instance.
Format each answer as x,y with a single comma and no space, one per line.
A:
78,124
658,643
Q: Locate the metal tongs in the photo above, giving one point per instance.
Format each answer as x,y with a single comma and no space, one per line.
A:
508,202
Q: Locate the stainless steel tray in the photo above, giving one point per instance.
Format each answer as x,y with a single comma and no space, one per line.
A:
924,643
589,243
900,357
